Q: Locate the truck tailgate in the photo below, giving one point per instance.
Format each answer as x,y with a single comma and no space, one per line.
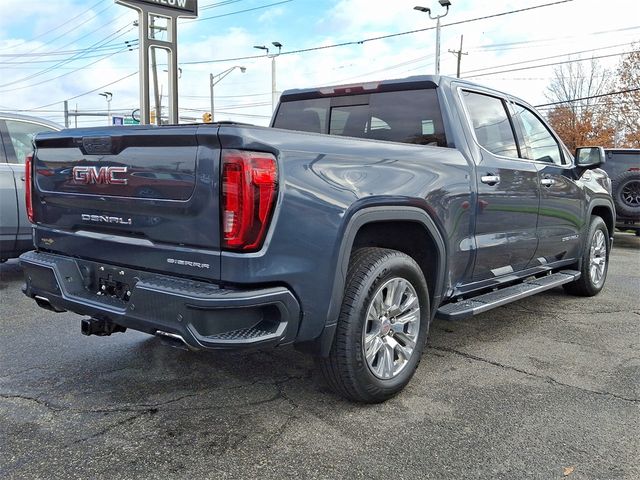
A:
150,192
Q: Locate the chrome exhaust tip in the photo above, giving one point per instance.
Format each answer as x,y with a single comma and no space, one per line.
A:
174,340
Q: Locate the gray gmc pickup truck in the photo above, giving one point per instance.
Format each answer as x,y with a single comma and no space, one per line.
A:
361,214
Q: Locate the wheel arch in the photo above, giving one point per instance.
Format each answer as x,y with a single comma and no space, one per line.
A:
370,226
606,211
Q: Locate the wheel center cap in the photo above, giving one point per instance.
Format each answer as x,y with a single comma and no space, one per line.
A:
385,327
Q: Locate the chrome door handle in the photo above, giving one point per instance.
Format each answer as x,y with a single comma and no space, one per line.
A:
547,182
490,179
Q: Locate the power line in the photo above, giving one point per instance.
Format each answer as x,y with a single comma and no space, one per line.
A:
92,32
334,45
550,64
64,74
73,28
64,62
482,69
228,96
88,92
619,92
371,39
518,44
547,58
60,52
219,4
240,11
130,44
59,26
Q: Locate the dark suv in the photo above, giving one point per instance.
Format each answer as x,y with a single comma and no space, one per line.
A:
623,167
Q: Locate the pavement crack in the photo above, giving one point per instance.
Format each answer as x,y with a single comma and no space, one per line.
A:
107,429
546,378
15,374
39,401
291,416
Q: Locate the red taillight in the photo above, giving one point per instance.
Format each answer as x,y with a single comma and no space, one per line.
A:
28,187
249,188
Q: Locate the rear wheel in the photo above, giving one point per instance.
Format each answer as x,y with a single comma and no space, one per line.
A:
595,261
382,327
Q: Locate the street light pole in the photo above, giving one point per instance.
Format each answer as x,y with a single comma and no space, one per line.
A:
108,96
443,3
278,45
214,79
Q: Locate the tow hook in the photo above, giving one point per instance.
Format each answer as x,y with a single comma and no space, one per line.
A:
102,328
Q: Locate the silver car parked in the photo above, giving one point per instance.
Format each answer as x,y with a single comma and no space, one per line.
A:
16,135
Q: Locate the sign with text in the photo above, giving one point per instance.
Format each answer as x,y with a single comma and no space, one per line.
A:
186,8
155,16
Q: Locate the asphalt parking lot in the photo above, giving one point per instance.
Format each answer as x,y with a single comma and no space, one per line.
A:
548,387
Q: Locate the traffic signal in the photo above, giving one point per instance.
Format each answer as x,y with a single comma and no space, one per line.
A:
207,118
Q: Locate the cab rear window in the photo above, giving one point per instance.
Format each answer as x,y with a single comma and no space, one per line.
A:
410,116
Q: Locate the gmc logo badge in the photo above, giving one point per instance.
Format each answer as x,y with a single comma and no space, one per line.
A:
105,175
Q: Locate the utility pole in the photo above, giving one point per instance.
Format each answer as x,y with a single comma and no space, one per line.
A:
108,96
154,71
459,53
443,3
278,45
214,79
66,114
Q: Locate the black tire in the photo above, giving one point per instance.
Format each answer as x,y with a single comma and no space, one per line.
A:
346,370
626,194
588,285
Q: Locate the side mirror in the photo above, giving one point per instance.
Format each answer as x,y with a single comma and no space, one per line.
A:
589,157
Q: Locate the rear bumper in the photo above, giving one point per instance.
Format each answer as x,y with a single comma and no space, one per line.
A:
202,315
628,223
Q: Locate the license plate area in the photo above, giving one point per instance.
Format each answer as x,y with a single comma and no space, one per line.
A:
111,287
108,281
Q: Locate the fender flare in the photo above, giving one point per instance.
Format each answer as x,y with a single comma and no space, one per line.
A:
356,221
601,202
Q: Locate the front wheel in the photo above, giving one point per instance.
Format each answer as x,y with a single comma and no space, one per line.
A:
382,327
595,261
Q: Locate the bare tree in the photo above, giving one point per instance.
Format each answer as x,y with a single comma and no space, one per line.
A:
582,117
628,103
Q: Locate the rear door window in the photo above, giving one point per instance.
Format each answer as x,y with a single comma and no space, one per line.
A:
491,123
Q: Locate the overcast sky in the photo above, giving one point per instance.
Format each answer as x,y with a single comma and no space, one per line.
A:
55,50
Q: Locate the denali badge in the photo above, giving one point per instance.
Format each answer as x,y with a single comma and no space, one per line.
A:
107,175
187,263
106,219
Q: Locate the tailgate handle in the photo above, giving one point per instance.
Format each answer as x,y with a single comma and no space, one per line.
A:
96,145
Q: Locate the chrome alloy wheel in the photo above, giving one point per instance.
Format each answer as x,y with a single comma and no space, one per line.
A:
598,258
391,328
